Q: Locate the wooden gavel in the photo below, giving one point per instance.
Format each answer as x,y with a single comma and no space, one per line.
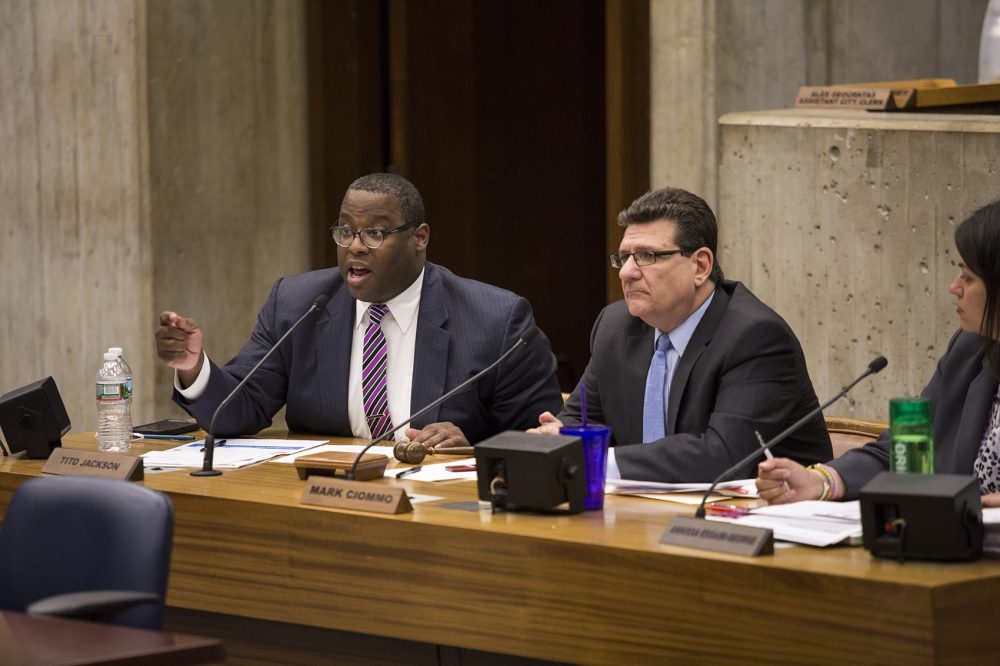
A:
414,452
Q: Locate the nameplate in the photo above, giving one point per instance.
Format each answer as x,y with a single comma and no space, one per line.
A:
719,537
356,495
857,97
73,462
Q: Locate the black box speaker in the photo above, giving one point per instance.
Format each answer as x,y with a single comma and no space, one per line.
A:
922,516
34,419
520,471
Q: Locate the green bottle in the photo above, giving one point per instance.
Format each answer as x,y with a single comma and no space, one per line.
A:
912,430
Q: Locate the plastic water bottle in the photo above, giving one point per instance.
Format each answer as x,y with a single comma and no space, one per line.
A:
989,44
912,428
114,405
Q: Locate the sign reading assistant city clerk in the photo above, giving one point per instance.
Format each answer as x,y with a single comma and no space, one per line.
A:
73,462
357,495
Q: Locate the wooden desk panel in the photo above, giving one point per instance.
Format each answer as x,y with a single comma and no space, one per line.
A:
592,588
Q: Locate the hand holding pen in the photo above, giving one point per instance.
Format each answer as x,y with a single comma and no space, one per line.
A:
768,454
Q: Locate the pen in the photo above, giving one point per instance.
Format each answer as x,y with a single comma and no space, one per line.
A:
769,456
179,437
407,472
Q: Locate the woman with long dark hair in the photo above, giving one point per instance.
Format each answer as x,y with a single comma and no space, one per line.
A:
963,391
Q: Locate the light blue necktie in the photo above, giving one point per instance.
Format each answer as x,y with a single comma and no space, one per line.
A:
654,417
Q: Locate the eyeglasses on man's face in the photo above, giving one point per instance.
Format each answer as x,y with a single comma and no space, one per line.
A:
373,237
642,257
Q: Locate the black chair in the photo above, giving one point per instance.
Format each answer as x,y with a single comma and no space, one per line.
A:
89,548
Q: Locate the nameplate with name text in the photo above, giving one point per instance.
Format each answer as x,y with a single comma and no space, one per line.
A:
73,462
719,537
357,495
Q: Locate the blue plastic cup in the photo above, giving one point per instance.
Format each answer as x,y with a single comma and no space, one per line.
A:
595,438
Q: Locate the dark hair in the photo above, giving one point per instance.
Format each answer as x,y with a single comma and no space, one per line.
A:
410,202
978,241
696,227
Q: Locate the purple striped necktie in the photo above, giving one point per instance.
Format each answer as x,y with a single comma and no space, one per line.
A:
375,359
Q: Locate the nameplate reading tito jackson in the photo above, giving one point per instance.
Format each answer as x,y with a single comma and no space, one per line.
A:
73,462
357,495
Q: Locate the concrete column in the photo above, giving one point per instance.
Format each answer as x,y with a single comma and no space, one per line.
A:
712,57
843,223
154,157
74,216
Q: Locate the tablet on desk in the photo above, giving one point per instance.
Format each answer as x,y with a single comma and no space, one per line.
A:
166,427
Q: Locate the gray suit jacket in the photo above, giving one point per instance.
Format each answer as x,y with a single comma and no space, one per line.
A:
962,391
462,327
742,371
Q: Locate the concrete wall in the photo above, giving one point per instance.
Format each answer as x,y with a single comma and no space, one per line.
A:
712,57
153,156
843,223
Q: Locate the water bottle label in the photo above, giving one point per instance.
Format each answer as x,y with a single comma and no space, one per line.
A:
114,392
900,461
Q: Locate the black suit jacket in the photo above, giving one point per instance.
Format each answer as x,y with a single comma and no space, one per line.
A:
743,370
462,326
962,391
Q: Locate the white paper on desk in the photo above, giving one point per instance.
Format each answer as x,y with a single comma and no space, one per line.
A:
690,499
438,472
340,448
737,488
233,454
811,523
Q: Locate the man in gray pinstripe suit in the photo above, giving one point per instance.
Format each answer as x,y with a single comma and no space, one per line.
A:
439,329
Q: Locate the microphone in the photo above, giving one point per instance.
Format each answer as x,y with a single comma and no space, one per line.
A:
525,338
206,470
877,365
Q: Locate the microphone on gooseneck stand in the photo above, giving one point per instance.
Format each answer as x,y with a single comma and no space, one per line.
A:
206,470
877,365
525,338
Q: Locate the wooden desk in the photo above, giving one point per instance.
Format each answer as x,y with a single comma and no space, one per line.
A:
594,588
52,641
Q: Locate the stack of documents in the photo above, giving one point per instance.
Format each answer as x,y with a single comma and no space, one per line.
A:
810,523
230,454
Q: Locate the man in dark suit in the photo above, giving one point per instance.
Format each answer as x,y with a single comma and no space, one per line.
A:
397,333
689,367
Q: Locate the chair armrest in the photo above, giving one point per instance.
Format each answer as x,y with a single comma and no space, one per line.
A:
92,605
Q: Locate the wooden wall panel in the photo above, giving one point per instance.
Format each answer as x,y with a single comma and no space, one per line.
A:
504,134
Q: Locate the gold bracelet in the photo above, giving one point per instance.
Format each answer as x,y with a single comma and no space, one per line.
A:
825,478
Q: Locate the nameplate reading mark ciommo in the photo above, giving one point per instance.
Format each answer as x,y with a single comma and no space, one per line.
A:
356,495
73,462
